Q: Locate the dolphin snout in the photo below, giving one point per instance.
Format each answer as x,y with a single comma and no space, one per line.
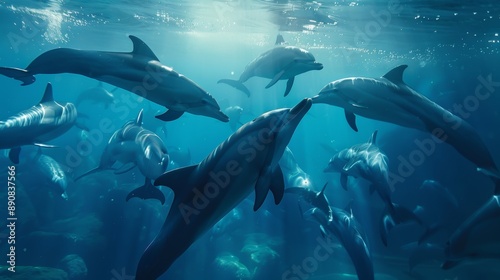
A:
305,104
318,66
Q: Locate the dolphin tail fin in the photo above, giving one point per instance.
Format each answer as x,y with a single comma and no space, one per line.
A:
18,74
236,84
147,191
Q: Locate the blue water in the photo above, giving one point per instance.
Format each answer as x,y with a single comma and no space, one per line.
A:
448,45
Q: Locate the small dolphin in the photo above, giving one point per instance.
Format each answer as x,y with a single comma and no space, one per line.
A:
206,192
37,125
346,229
279,63
135,146
478,237
389,99
37,169
234,113
96,95
293,173
318,200
367,161
139,72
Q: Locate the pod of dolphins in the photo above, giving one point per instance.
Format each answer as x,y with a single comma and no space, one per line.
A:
256,156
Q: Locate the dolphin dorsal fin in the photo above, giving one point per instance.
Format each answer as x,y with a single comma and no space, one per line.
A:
373,138
322,192
138,120
47,95
141,49
396,74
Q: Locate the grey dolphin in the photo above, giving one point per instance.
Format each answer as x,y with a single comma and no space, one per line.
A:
37,169
135,146
278,63
389,99
97,94
478,237
317,199
346,229
37,125
367,161
139,72
205,192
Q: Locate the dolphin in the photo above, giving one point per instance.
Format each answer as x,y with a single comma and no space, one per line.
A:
35,126
206,192
367,161
234,113
293,173
318,200
346,229
279,63
37,169
478,237
389,99
135,146
96,95
139,72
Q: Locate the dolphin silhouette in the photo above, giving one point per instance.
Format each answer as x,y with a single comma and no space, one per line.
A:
37,125
139,72
279,63
389,99
478,237
205,192
135,146
346,229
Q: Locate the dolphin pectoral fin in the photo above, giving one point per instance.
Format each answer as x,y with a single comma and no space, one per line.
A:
14,154
147,191
125,168
289,85
45,145
343,181
351,120
449,264
236,84
176,179
277,186
262,188
170,115
276,78
18,74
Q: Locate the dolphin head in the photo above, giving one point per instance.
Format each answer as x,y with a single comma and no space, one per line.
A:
342,93
305,61
207,106
281,123
336,164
